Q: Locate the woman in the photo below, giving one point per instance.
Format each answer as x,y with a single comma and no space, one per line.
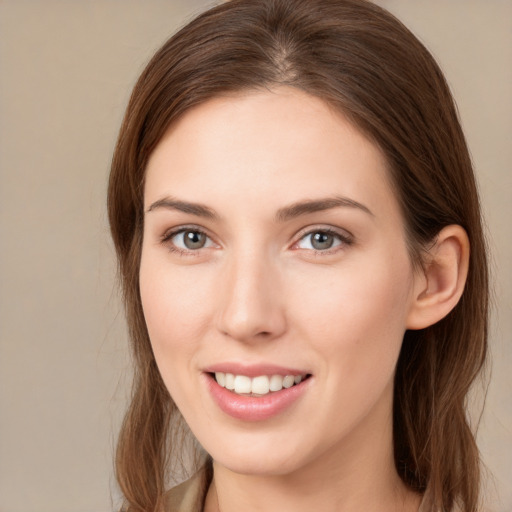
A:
293,207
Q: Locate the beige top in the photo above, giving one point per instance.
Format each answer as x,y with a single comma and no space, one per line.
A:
188,497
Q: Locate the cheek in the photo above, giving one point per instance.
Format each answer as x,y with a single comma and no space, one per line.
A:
357,315
176,309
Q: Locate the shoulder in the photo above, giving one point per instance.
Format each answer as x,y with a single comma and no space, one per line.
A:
187,496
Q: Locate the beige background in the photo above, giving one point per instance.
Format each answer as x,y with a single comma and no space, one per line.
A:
66,68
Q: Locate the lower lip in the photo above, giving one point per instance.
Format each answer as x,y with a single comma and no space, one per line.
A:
248,408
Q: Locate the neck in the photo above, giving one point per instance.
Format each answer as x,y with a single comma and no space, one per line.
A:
359,474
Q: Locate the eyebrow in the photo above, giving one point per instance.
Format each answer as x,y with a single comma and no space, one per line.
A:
196,209
283,214
318,205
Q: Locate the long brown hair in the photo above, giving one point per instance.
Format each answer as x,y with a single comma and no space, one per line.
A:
364,62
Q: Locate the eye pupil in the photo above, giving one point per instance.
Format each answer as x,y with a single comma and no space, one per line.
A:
194,239
322,240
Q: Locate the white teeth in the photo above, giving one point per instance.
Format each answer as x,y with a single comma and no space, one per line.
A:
288,381
242,384
276,383
229,381
261,385
220,378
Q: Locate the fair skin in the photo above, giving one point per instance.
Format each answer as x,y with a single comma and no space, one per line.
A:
274,244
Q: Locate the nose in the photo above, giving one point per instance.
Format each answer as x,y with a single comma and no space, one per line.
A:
251,305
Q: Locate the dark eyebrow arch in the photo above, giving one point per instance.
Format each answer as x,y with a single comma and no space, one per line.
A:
318,205
283,214
193,208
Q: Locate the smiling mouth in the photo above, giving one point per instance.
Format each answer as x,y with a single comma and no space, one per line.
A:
256,386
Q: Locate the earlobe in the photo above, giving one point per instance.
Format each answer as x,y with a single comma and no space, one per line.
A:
438,288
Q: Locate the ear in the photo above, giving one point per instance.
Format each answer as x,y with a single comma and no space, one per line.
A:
439,285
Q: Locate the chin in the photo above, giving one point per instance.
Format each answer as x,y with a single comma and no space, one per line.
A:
258,460
256,467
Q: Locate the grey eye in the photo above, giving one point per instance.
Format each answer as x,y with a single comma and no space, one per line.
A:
194,239
321,241
191,239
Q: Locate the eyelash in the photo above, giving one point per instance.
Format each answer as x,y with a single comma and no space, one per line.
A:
344,239
168,236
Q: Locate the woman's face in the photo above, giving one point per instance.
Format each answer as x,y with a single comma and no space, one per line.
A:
274,251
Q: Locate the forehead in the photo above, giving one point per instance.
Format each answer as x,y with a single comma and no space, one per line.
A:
282,145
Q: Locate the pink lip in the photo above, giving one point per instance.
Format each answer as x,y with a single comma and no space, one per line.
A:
253,370
248,408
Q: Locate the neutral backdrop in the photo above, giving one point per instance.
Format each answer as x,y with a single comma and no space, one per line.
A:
66,69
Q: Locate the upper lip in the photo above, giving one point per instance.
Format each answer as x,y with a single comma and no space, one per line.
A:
253,370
